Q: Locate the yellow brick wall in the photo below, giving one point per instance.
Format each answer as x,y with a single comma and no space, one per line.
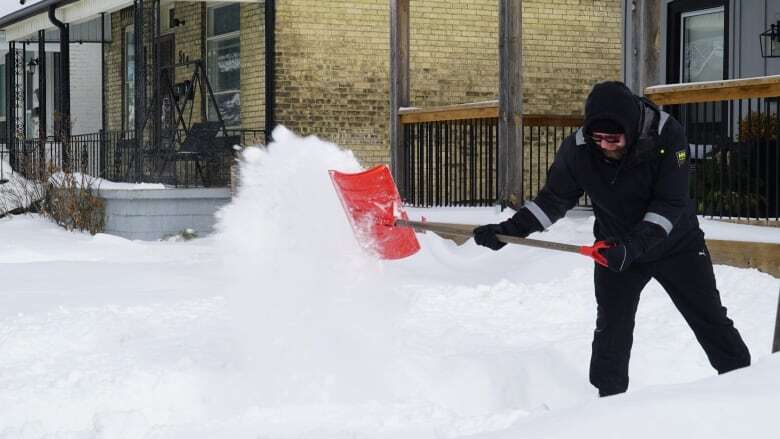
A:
454,51
332,72
253,66
333,61
189,45
114,65
333,68
568,45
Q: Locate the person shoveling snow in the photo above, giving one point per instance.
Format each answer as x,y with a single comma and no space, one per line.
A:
632,160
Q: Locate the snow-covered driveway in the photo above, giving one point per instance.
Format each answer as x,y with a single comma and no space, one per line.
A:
280,326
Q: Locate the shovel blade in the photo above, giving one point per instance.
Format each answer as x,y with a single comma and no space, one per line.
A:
372,204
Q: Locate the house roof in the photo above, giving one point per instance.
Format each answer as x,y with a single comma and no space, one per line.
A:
30,11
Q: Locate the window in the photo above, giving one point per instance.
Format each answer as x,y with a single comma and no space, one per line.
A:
223,46
697,41
129,78
702,45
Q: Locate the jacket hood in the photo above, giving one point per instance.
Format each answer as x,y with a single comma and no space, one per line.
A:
613,101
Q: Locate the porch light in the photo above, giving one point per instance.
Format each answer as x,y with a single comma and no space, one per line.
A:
32,64
770,41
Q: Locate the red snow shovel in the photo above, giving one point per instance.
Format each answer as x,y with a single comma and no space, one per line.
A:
372,204
374,210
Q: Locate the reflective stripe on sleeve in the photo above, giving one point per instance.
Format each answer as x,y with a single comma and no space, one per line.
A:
655,218
537,212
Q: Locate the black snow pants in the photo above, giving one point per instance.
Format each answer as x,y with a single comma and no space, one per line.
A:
689,280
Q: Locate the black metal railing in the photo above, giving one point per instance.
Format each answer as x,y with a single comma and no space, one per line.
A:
542,136
115,156
451,154
451,163
3,159
734,139
734,155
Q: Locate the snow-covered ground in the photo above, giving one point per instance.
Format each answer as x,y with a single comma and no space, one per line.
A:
280,326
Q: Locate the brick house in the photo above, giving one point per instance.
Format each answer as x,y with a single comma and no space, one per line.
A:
331,58
318,67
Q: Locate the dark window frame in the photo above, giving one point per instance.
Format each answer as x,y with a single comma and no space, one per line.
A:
675,10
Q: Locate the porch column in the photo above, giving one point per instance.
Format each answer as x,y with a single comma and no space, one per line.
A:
11,99
140,84
42,94
510,132
270,68
103,82
399,87
63,128
23,66
644,49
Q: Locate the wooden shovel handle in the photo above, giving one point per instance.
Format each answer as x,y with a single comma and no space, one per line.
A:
467,230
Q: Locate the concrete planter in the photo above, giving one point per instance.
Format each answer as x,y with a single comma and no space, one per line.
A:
151,214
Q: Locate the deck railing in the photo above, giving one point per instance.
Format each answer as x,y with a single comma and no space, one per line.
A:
733,128
451,153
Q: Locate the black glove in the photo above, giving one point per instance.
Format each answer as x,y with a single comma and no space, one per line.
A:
620,254
486,236
522,224
617,255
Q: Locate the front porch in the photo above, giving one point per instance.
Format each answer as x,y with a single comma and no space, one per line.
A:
165,115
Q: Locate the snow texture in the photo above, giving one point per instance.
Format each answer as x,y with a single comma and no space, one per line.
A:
280,326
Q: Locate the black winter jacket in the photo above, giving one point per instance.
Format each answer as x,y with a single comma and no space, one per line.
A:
648,186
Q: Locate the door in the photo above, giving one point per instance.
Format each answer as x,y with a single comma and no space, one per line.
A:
697,51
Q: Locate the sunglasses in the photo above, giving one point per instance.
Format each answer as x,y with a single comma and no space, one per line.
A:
612,139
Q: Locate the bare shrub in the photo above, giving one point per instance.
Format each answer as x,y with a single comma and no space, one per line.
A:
72,201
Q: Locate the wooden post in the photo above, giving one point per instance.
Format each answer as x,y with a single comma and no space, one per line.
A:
776,344
399,87
510,133
645,49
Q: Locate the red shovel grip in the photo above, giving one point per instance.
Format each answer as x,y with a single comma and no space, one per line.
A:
593,251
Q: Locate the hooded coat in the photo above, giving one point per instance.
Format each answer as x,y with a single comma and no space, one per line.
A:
641,200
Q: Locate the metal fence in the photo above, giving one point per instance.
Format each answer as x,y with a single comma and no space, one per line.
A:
451,163
115,156
734,156
3,160
542,136
451,154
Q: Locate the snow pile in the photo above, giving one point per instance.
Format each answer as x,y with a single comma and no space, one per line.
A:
15,191
316,312
739,404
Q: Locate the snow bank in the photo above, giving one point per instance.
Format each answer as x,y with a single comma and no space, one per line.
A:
742,403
